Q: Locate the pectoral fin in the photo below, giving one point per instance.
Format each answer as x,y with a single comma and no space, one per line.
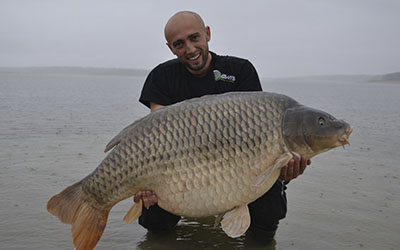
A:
134,212
236,222
279,163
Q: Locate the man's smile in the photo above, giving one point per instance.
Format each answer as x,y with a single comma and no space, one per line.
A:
194,58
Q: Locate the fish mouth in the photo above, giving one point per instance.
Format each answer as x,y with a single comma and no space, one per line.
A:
344,139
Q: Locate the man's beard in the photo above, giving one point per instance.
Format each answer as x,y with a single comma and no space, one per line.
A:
200,67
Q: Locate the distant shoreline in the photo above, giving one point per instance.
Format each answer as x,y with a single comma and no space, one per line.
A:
384,78
77,70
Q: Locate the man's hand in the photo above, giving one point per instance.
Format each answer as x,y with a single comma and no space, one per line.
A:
294,168
148,197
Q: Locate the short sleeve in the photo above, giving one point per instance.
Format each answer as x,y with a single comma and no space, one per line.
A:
249,80
155,88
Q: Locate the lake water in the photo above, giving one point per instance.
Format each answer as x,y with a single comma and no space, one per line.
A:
54,127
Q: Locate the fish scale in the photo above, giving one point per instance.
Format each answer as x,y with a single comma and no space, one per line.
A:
202,157
223,150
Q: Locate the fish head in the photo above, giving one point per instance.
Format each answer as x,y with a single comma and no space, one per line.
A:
309,131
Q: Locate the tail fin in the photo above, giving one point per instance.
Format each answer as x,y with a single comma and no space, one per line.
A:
88,223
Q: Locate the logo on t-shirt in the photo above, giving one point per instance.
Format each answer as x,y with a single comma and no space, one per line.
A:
218,76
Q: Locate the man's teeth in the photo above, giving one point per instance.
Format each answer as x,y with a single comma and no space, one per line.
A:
194,58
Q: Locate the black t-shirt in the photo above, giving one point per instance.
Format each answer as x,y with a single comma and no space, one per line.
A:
170,82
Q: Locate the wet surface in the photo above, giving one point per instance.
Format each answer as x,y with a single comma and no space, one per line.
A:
54,128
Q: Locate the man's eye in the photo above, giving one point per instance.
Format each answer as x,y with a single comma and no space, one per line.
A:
178,45
195,37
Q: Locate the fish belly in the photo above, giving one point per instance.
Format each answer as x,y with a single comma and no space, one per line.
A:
201,157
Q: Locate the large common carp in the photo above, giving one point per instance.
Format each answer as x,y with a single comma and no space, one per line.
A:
205,156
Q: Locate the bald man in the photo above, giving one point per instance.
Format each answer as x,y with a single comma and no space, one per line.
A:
196,72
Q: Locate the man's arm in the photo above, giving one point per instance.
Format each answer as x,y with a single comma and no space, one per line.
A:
148,197
155,106
294,168
251,82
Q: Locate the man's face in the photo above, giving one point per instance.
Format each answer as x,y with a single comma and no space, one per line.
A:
188,39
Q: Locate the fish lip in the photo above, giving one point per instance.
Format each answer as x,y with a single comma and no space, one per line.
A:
344,139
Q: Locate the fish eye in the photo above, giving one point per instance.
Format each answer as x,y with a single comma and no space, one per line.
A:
321,121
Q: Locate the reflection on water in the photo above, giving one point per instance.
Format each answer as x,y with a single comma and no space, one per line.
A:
200,235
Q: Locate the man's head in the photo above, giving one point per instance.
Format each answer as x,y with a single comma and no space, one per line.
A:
188,37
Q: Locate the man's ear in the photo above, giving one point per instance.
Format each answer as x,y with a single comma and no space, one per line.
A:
208,33
170,48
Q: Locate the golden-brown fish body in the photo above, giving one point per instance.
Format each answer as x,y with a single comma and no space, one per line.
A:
202,157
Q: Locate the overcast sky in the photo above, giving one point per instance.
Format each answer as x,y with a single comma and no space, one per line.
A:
280,37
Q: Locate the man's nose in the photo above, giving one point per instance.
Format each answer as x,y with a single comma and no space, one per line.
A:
190,48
